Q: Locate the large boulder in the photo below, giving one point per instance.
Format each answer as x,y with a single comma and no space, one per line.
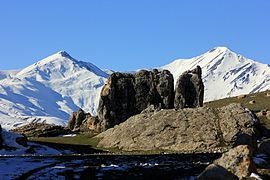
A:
238,161
125,95
189,89
214,171
185,130
41,130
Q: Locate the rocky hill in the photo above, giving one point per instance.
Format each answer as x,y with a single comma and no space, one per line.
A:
185,130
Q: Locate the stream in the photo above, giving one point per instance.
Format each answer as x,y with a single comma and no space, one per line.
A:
105,166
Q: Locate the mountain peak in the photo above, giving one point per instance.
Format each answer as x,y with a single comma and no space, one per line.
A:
64,54
219,49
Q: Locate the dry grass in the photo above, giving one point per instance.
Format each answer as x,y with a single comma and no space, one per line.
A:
262,102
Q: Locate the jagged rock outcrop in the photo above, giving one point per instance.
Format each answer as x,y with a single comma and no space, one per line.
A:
189,89
76,119
125,95
184,130
81,121
41,130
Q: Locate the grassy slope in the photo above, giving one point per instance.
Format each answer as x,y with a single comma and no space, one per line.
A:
262,102
81,139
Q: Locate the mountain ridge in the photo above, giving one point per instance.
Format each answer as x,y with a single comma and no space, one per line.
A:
52,88
222,68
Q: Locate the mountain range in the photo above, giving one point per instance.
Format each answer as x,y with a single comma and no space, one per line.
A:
49,90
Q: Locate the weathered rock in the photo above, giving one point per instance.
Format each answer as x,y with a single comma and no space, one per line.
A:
76,119
22,140
238,161
189,90
240,131
117,99
214,171
41,130
72,120
242,96
268,115
81,121
125,95
252,102
151,109
264,147
91,123
80,116
198,129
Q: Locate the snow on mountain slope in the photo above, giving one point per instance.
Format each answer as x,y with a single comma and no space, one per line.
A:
7,73
225,73
49,90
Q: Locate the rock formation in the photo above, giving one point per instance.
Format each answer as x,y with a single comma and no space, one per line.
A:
41,130
76,119
184,130
189,89
125,95
81,121
237,161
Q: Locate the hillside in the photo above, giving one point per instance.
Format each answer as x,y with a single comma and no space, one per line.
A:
262,102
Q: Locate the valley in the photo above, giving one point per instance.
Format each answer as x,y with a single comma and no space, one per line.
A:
147,124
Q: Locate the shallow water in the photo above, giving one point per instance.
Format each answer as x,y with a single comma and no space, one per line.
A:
165,166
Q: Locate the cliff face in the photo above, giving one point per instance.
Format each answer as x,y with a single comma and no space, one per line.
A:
125,95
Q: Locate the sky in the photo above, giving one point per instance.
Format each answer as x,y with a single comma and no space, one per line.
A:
125,35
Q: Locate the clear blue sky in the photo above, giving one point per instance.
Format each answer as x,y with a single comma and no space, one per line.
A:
131,34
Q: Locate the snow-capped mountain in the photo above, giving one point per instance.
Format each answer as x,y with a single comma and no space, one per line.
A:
225,73
49,90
